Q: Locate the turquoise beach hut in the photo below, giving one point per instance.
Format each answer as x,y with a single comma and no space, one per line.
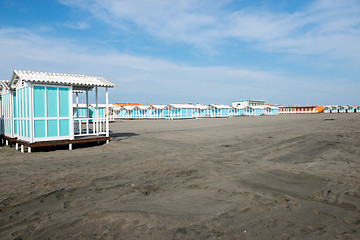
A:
179,111
157,111
351,109
7,109
119,112
342,109
217,110
43,109
143,111
201,111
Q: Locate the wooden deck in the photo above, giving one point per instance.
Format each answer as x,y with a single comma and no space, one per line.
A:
86,139
9,139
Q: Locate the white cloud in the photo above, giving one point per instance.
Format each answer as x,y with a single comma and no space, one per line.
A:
323,28
145,79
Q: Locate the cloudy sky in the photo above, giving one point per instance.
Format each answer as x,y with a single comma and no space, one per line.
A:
199,51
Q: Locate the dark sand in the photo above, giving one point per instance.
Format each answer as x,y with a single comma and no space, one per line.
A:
274,177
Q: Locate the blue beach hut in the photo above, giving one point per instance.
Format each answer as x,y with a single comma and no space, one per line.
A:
201,111
157,111
43,111
217,110
179,111
143,111
7,109
342,109
351,109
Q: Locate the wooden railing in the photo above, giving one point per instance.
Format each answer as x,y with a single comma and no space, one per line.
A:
89,126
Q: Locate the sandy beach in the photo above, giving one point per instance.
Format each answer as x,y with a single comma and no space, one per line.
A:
269,177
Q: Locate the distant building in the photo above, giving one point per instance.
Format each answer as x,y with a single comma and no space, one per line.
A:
248,103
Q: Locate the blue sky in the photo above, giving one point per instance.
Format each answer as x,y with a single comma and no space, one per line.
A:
284,52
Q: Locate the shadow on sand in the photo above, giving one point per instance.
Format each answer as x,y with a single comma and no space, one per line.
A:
121,136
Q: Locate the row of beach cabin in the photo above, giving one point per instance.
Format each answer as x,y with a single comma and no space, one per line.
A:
341,109
36,109
187,111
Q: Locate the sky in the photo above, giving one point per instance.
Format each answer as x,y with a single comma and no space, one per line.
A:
192,51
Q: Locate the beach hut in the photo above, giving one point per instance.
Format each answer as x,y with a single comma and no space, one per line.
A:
357,109
44,109
342,109
201,111
258,110
327,109
179,111
351,109
217,110
7,109
157,111
129,111
142,111
119,112
271,110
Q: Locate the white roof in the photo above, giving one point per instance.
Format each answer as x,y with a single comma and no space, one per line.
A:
4,85
158,106
142,107
59,78
129,107
116,108
92,105
219,106
181,106
201,106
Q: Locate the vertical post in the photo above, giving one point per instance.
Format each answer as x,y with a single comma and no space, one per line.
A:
107,112
77,104
22,148
87,111
71,114
29,149
12,120
77,112
31,112
96,111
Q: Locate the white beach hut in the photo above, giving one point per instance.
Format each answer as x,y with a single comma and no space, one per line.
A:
7,128
129,111
179,111
201,111
43,111
157,111
143,111
217,110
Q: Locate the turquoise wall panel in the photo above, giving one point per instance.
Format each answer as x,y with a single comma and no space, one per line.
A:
27,100
39,128
39,101
52,128
51,101
64,127
15,126
64,102
15,107
28,128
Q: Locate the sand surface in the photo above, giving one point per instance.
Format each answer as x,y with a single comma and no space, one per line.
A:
274,177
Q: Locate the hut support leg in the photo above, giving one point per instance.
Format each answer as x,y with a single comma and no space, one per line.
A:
70,146
107,141
16,146
29,149
6,142
22,148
